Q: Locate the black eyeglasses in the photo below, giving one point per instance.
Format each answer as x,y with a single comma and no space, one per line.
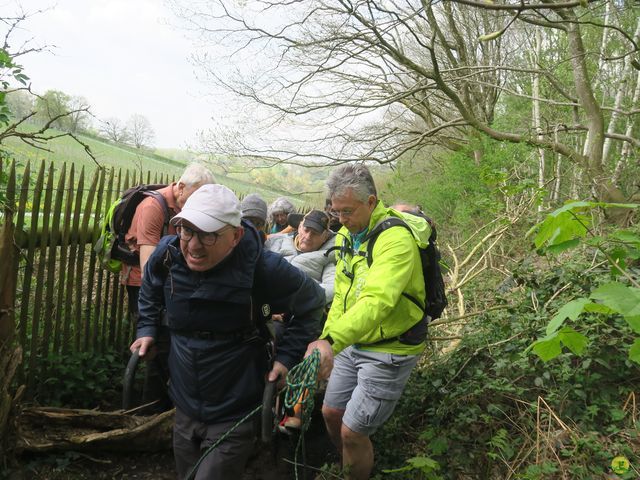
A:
346,213
206,238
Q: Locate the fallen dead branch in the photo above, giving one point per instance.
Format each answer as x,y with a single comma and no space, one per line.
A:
47,428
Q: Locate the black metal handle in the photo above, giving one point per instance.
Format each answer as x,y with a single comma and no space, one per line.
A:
268,398
128,380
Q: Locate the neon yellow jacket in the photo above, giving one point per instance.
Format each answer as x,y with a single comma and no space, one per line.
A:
370,308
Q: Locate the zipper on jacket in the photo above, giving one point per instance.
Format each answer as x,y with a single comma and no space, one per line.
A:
344,248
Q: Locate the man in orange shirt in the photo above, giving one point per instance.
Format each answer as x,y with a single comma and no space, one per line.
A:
148,225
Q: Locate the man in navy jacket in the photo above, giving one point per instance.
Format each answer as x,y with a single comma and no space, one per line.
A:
217,285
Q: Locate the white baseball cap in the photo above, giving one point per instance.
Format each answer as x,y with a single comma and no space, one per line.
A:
210,208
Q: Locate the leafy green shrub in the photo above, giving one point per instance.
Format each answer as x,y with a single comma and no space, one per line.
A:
458,191
489,410
82,380
619,296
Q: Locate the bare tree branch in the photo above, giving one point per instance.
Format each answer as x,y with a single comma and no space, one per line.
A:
377,81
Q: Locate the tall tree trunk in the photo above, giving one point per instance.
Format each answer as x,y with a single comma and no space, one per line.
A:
625,154
537,124
601,183
602,54
625,75
555,192
622,86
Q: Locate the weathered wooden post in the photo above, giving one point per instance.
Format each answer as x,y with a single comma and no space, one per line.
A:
10,355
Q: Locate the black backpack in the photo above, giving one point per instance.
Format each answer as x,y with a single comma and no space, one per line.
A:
111,247
436,298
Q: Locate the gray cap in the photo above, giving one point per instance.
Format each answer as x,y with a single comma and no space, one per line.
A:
281,204
210,208
254,206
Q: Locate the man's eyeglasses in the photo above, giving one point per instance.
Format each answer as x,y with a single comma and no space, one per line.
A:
205,238
347,212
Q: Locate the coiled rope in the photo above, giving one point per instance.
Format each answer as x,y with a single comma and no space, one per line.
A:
300,388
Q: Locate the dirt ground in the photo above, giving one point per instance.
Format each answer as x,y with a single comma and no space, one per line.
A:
79,466
270,462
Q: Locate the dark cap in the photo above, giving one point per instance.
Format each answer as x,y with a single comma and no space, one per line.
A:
316,220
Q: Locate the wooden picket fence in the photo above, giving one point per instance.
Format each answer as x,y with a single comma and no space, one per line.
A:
64,301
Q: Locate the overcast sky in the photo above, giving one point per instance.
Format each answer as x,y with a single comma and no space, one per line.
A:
123,57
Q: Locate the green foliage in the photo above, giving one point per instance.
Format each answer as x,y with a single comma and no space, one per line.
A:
566,228
500,445
65,149
540,471
82,380
4,177
54,105
425,466
476,410
9,72
457,190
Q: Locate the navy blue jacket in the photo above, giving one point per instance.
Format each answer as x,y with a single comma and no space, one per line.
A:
221,379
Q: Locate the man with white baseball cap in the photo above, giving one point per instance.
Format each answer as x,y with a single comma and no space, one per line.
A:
218,285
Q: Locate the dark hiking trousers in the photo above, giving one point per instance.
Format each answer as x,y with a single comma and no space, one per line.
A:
227,461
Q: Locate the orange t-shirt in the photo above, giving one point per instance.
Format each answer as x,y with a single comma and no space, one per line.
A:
146,229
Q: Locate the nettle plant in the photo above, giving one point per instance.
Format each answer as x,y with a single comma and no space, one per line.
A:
571,226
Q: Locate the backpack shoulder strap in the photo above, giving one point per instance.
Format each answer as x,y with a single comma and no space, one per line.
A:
343,247
162,267
372,236
165,207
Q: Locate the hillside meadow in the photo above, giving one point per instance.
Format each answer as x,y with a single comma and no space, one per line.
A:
110,155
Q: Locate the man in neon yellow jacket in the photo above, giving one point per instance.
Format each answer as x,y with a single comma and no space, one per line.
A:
364,343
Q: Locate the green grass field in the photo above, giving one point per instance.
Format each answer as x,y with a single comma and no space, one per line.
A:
66,149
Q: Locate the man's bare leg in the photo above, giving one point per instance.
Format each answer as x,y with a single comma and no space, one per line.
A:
333,422
357,454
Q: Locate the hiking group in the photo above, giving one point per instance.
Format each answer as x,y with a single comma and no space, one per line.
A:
208,278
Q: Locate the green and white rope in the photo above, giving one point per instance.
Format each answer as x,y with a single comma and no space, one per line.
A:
301,387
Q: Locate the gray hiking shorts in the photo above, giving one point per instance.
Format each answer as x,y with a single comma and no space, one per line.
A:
367,386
